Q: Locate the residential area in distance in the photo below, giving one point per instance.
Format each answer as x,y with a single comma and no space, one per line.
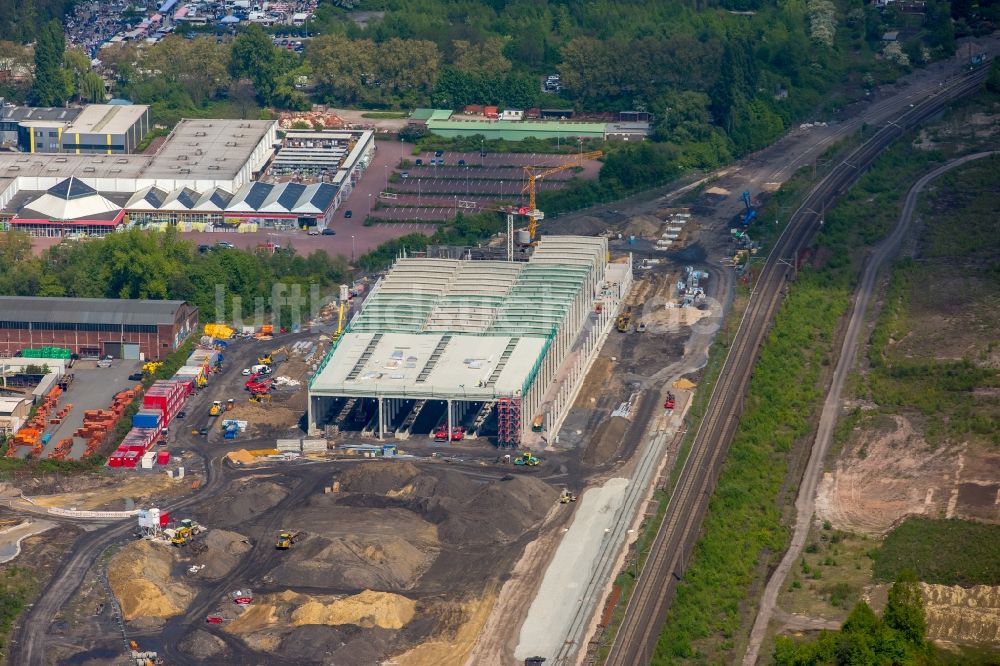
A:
425,332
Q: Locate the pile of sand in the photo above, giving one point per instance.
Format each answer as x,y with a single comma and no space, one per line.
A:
367,609
140,577
386,479
242,457
266,417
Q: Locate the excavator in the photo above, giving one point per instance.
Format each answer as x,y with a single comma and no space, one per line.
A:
566,497
256,386
340,322
286,539
216,408
670,401
276,356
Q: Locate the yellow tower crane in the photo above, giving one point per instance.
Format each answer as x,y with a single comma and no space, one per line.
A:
535,174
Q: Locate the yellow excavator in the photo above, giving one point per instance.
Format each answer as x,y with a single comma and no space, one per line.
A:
567,497
624,321
340,321
285,540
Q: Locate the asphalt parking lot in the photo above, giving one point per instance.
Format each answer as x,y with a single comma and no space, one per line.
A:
92,388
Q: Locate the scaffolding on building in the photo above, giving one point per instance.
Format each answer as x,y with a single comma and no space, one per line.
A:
509,422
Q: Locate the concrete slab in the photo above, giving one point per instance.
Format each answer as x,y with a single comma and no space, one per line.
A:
11,537
566,579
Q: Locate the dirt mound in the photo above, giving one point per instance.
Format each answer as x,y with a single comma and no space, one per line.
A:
585,225
245,499
140,577
266,418
380,479
355,562
367,609
305,642
643,226
242,457
959,614
204,645
225,549
500,512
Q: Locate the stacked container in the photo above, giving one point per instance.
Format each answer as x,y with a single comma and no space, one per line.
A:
147,418
167,397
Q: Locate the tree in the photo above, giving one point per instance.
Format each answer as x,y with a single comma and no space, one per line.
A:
50,84
344,69
255,57
485,58
904,611
240,93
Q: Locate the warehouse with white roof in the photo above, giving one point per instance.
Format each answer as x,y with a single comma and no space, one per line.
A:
448,345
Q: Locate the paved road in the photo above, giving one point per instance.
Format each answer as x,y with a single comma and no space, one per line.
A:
805,503
647,608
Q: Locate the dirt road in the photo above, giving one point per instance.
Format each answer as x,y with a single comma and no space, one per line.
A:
805,503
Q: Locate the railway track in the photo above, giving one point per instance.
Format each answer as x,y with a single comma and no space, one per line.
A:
671,550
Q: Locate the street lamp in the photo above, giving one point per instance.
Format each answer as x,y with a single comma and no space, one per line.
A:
386,167
352,249
369,205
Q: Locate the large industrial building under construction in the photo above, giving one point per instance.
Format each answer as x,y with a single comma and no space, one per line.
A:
468,346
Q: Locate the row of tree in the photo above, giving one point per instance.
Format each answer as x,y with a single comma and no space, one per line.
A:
159,266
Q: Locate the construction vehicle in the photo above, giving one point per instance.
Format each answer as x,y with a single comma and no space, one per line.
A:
624,321
533,175
457,434
230,404
285,540
670,402
261,398
258,386
340,321
528,459
566,497
278,355
751,212
216,408
182,535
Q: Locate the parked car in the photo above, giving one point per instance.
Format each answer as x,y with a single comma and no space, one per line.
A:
135,377
438,153
461,163
181,414
246,372
420,162
313,231
203,432
329,232
405,174
204,248
349,214
226,245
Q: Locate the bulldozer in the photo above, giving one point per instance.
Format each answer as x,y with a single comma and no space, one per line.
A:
527,458
216,408
261,398
566,497
286,539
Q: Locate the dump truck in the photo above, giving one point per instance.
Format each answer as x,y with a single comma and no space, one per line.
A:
285,540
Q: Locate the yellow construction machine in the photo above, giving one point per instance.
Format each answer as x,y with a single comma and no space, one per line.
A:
340,321
181,536
261,398
624,321
567,497
216,408
285,540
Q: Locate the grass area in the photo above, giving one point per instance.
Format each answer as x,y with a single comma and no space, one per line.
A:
384,115
17,586
834,569
931,348
947,552
743,530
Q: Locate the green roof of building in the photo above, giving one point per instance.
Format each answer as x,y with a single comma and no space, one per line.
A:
421,114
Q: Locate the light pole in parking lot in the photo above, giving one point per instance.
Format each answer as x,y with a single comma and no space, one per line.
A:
352,249
369,205
386,176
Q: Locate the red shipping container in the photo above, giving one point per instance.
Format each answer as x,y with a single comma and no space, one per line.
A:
164,519
115,461
163,458
491,112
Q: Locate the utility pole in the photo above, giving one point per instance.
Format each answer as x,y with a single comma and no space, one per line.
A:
510,235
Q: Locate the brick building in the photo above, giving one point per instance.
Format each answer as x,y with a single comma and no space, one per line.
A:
93,327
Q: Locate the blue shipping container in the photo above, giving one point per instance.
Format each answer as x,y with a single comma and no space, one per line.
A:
146,418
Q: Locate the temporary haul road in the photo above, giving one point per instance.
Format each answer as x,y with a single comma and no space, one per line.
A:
806,501
655,589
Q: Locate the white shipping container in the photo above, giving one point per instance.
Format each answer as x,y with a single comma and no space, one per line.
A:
289,445
148,459
313,445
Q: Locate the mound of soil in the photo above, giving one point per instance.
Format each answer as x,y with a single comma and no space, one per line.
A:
367,609
245,499
378,479
140,577
606,440
225,549
315,641
204,645
643,226
500,512
355,562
